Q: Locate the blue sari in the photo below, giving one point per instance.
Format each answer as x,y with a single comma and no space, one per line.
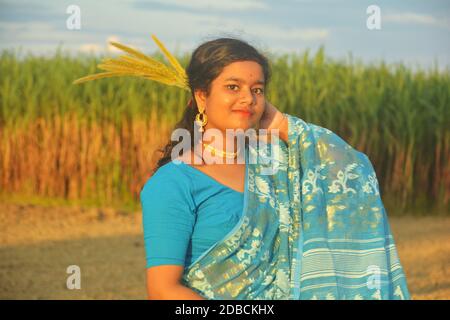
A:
315,228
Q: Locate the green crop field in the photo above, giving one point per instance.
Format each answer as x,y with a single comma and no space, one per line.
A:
94,143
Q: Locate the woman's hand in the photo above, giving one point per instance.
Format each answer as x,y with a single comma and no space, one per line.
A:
272,118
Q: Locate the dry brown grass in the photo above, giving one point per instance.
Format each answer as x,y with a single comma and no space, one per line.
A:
107,162
37,244
72,158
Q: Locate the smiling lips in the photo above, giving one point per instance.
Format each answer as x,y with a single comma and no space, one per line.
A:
243,112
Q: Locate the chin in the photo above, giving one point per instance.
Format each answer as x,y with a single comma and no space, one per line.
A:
242,124
244,127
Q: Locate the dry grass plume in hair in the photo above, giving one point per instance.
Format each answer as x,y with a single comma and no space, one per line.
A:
140,65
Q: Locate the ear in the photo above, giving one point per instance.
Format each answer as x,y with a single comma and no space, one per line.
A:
200,98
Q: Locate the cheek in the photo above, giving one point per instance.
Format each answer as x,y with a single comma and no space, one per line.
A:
257,118
223,102
260,111
228,102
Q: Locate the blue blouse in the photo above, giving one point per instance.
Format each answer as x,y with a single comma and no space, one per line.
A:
185,212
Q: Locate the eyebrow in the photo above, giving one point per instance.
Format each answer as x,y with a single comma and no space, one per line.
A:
241,80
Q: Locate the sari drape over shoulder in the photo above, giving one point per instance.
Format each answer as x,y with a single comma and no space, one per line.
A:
313,228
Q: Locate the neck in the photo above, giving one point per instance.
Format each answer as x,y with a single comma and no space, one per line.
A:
231,145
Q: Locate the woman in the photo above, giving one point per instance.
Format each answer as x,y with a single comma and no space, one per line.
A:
303,221
219,188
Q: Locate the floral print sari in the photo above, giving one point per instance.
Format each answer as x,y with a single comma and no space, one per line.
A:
315,228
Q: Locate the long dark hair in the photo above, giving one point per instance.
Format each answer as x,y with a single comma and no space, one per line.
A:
206,64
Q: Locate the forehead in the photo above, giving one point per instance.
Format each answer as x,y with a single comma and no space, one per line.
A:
244,71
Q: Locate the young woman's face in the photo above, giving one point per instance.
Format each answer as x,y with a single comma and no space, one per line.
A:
237,97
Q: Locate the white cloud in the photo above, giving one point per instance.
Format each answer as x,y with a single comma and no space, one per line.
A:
187,28
33,32
415,18
305,34
111,48
270,34
223,5
106,47
91,48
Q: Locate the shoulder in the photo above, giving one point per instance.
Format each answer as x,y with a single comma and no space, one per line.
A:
323,139
169,178
300,126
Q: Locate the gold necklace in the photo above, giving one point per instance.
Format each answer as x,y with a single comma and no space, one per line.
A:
221,153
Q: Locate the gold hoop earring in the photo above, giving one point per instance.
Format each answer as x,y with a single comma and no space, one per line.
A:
201,119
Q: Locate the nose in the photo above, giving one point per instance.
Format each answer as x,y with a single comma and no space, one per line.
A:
247,97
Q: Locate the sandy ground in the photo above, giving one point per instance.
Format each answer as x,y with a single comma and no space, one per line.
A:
37,244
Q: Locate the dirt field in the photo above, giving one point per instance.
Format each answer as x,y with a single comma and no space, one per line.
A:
37,245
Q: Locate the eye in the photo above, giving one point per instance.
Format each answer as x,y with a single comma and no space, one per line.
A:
231,85
262,90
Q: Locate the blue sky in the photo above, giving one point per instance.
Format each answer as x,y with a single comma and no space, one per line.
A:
412,32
